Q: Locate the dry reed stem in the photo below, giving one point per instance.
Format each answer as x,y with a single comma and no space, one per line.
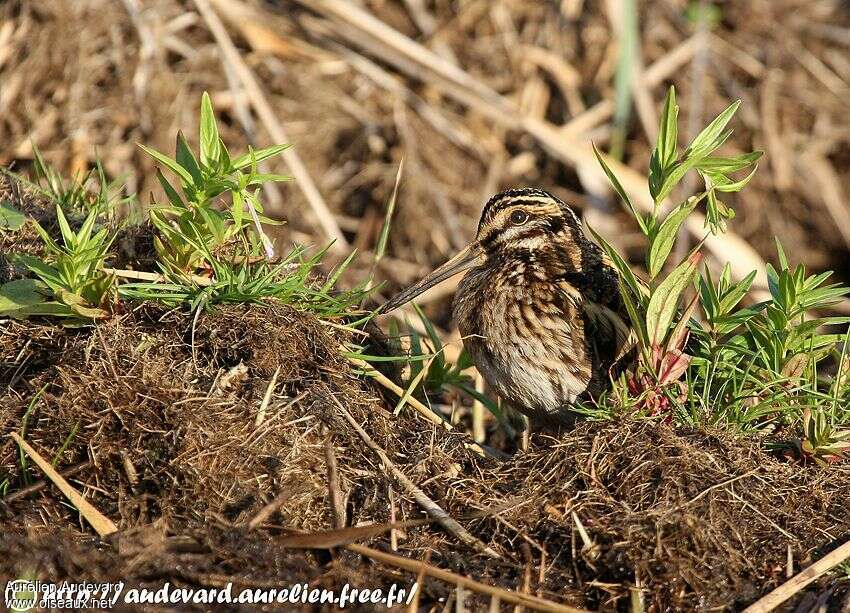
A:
269,119
140,275
102,524
429,506
334,490
800,581
267,397
527,600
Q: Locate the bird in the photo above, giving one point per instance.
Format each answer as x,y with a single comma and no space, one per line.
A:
539,308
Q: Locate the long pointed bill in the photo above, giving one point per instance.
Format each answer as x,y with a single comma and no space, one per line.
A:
470,256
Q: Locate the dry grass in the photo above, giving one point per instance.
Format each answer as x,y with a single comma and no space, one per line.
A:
96,78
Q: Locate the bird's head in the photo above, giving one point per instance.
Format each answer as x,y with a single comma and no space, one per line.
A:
530,224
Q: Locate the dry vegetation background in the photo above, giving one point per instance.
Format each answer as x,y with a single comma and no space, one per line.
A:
94,77
512,95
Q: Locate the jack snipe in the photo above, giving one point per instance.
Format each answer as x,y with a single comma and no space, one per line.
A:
539,308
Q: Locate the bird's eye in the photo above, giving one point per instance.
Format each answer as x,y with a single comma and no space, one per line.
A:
519,217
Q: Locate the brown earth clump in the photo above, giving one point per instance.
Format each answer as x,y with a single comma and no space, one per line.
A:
164,413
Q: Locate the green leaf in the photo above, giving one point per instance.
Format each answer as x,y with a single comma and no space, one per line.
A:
68,235
731,298
713,134
672,177
668,129
10,217
20,293
724,184
665,152
45,272
665,298
166,161
83,238
337,273
484,400
663,241
381,246
52,246
635,317
223,157
726,165
170,192
783,259
187,160
615,183
259,179
245,160
237,211
439,360
209,133
51,308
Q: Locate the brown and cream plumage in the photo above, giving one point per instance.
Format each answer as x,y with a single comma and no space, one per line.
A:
539,308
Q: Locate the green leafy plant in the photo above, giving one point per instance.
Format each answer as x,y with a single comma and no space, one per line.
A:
653,306
822,441
70,282
80,194
193,217
721,356
293,281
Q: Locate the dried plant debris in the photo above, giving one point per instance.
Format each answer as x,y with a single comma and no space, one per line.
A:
352,116
700,519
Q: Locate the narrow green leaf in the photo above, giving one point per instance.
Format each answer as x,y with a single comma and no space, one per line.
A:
726,165
237,211
209,133
783,259
187,160
668,130
45,272
259,179
731,299
166,161
735,186
381,247
439,360
665,298
223,157
665,152
245,160
170,192
337,273
706,140
621,266
615,183
68,235
663,241
672,177
52,246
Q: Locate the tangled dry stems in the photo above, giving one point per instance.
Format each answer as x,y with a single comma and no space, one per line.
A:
700,518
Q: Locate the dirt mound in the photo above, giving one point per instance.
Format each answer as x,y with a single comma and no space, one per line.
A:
166,419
